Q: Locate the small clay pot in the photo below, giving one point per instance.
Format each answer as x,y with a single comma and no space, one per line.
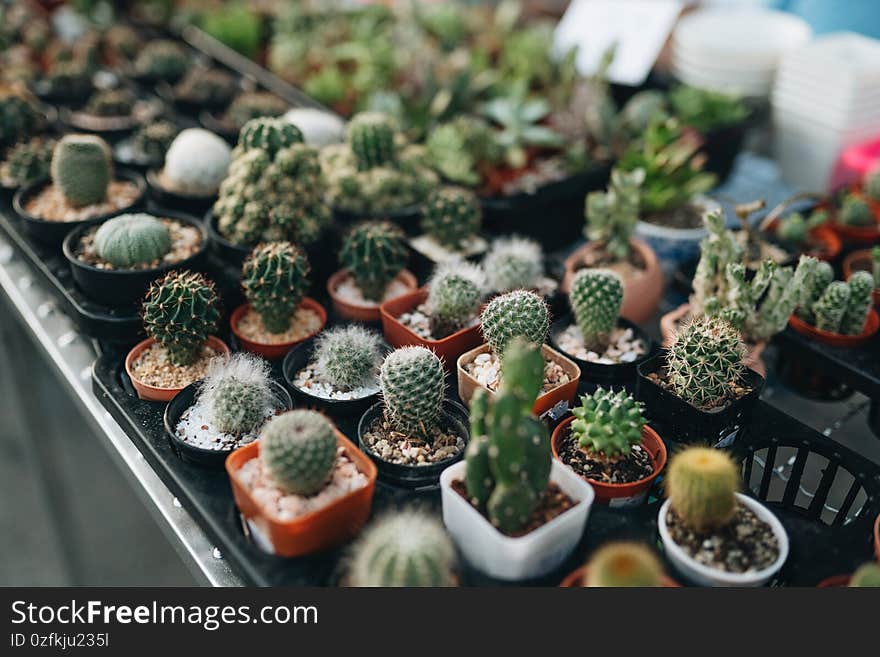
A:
361,312
860,260
152,393
837,339
274,351
576,577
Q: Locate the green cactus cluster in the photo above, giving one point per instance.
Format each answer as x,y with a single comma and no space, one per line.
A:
211,87
152,140
866,576
617,565
162,59
856,212
872,185
275,278
348,356
861,290
608,423
19,116
269,134
508,458
82,168
833,306
718,249
27,162
701,484
253,105
374,252
795,227
236,393
181,312
455,292
298,451
452,216
596,297
111,102
516,314
132,239
412,381
514,263
612,215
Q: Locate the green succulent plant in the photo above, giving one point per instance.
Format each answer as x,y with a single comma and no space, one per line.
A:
27,162
513,263
82,168
154,139
795,227
253,105
458,147
707,110
855,211
612,215
619,565
236,393
19,116
298,450
452,216
518,119
111,102
162,59
596,297
348,356
866,575
455,292
515,314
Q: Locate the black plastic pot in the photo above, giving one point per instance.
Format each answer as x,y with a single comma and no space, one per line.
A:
424,477
212,458
110,130
125,286
192,203
54,232
408,218
677,420
808,376
621,375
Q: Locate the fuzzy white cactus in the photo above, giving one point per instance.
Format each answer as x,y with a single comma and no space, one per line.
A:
196,162
319,128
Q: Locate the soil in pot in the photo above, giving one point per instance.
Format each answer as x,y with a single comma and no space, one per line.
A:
624,346
50,204
486,369
686,217
186,241
418,320
195,430
626,469
311,381
304,322
154,368
398,448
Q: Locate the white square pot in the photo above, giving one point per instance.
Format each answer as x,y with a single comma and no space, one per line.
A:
503,557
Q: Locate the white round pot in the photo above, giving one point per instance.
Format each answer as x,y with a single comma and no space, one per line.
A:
706,576
676,244
503,557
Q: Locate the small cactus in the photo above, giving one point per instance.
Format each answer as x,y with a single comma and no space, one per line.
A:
236,393
19,116
298,450
596,297
861,289
269,134
82,168
374,252
412,382
701,485
196,162
452,216
517,313
454,295
608,423
612,215
818,274
162,59
403,549
795,228
253,105
132,239
371,138
866,576
831,307
275,278
513,263
623,565
856,212
348,356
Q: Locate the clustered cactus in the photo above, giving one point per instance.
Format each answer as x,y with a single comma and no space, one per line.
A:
612,215
153,140
132,239
412,381
516,314
456,148
28,162
111,102
454,295
162,59
253,105
596,297
508,458
616,565
833,306
374,252
275,278
608,423
348,356
236,393
180,312
514,263
196,163
298,451
82,168
856,212
701,485
19,116
452,216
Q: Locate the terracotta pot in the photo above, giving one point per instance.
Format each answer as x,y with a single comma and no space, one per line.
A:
361,312
860,261
641,293
620,495
836,339
857,234
319,530
152,393
398,335
575,578
834,582
566,392
276,350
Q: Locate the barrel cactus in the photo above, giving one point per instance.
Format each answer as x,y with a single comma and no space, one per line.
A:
269,134
374,252
454,295
236,393
608,423
856,212
623,565
412,382
701,484
514,263
275,278
518,313
196,163
596,297
371,137
27,162
866,575
348,356
82,168
452,216
132,239
298,451
861,290
162,59
831,307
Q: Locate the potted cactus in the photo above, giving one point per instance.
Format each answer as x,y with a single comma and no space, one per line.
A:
82,188
111,112
146,148
373,256
864,260
443,317
750,545
608,443
517,263
26,163
209,419
319,127
856,218
611,219
21,114
451,220
191,170
606,347
513,511
303,487
277,314
180,314
788,236
516,314
113,261
619,565
415,431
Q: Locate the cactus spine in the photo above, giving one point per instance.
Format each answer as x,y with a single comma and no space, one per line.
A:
513,263
596,297
517,313
623,565
608,423
82,168
452,215
132,239
454,294
701,485
275,278
412,382
612,215
237,394
348,356
298,450
374,252
371,138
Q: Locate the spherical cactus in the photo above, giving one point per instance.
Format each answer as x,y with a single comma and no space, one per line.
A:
867,575
319,128
623,565
513,263
348,356
831,307
28,162
872,184
374,252
132,239
596,296
517,313
275,278
856,212
371,138
454,294
153,140
452,216
861,289
236,393
82,168
705,361
298,450
701,484
196,163
269,134
608,423
405,549
412,383
180,312
253,105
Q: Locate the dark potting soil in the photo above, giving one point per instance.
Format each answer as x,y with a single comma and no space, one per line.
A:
627,469
745,544
687,216
737,390
553,502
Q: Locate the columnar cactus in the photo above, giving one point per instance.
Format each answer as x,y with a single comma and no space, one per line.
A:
517,313
111,102
236,393
717,250
374,252
513,263
28,161
371,138
269,134
831,307
407,549
818,274
451,215
298,451
618,565
612,215
196,163
154,139
861,289
348,356
608,423
132,239
705,361
454,295
701,485
275,278
866,575
855,211
82,168
180,312
412,381
596,297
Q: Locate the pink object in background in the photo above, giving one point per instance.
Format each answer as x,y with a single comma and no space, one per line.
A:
855,162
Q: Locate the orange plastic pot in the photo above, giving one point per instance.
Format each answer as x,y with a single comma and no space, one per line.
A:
834,582
836,339
361,312
576,577
566,392
276,350
153,393
319,530
399,335
860,260
630,494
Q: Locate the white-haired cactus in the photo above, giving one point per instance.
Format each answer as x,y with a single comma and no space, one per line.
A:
608,423
612,215
831,307
818,274
236,393
617,565
454,295
319,128
348,356
269,134
856,212
596,297
513,263
518,313
196,162
413,389
374,252
298,450
275,278
701,485
861,289
132,239
452,216
371,138
82,168
153,140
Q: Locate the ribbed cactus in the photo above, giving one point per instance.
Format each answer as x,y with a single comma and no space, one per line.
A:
298,450
132,239
412,382
82,168
705,361
818,274
371,138
596,297
872,184
612,215
513,263
270,134
454,295
407,548
616,565
180,312
275,278
348,356
111,102
831,307
154,139
452,216
861,289
866,576
374,252
856,212
236,393
517,313
28,162
701,485
608,423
